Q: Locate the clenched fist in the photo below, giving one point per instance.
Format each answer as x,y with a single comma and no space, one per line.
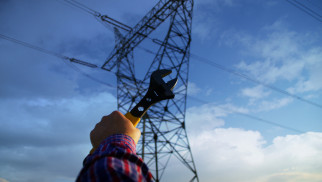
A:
115,123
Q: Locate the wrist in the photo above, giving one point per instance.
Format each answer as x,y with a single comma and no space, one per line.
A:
119,140
115,142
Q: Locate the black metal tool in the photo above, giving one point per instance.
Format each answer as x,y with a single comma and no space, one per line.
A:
158,90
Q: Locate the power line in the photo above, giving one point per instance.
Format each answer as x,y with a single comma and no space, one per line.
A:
314,4
109,85
204,60
201,59
89,76
99,17
212,63
305,9
250,116
236,73
96,14
73,60
33,47
25,44
83,7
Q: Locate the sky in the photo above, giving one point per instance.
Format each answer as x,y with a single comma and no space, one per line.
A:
238,130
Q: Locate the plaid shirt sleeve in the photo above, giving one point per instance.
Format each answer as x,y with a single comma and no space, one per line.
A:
115,160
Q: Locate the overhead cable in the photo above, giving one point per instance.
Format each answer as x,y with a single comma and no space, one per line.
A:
236,73
305,9
83,7
73,60
91,77
94,79
33,47
99,16
249,116
207,61
314,4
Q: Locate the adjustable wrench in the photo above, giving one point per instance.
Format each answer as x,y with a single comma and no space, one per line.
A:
158,90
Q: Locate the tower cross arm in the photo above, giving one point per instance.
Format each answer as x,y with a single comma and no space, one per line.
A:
158,14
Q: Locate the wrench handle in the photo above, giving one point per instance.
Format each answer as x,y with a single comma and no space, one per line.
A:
135,120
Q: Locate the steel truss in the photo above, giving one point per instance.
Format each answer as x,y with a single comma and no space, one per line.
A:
163,127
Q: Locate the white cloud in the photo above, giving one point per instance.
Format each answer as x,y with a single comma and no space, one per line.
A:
274,104
193,89
258,98
269,71
284,56
203,27
293,177
234,154
279,45
3,180
204,117
209,91
313,65
284,59
209,116
37,129
205,23
217,2
256,92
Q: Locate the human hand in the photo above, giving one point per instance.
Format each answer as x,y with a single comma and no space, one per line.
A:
115,123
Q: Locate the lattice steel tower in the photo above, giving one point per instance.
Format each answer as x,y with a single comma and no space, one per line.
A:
163,127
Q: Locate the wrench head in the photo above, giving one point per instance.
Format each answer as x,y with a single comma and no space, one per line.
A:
162,89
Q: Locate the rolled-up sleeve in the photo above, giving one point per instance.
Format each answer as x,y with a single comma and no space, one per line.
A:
115,160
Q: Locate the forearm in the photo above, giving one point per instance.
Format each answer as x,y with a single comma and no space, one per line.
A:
115,160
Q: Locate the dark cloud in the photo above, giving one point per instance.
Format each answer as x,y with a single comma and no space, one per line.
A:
47,109
47,139
52,122
24,74
42,163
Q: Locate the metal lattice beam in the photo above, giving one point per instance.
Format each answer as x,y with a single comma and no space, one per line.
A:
163,127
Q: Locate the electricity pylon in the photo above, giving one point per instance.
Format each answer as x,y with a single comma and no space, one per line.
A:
163,126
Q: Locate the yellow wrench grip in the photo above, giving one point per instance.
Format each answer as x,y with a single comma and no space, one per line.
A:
135,120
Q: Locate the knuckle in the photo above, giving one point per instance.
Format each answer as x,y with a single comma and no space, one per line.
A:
91,134
116,114
104,118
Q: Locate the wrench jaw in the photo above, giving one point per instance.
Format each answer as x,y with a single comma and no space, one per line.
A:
162,90
160,73
171,84
158,90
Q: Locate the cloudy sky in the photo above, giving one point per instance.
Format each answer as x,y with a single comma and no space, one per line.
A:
238,130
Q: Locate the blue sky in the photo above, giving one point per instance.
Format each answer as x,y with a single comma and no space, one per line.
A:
48,108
